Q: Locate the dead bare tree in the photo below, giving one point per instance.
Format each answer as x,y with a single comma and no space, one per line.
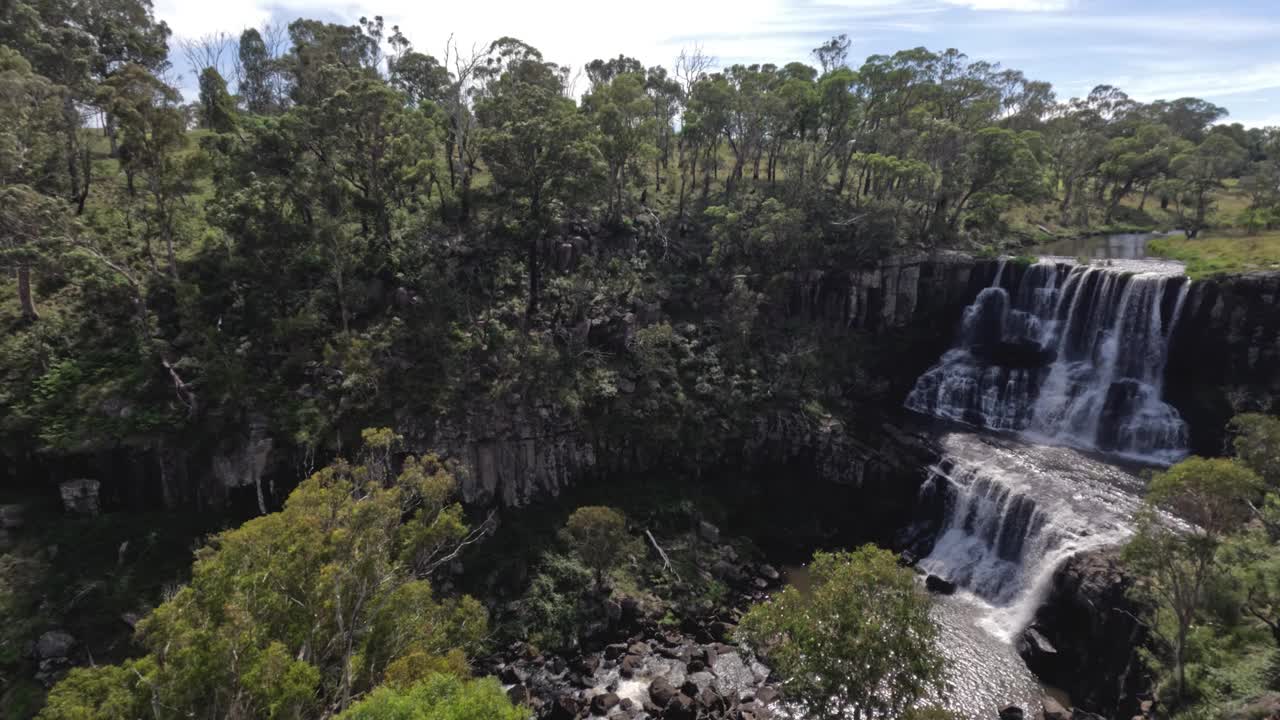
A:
208,51
463,152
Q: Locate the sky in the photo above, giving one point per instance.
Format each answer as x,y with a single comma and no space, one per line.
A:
1225,51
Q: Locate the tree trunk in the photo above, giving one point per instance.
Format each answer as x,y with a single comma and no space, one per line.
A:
24,294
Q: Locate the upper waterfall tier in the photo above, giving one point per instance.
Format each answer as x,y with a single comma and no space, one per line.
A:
1065,354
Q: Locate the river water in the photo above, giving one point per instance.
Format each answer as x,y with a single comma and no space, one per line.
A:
1012,513
1118,246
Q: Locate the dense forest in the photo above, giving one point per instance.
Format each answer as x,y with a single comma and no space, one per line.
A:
344,232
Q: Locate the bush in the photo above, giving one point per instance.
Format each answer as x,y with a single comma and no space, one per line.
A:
439,697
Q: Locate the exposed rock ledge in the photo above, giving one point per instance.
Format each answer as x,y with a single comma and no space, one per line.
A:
1085,637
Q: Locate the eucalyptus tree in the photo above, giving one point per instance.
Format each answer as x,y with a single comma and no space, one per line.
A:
537,145
626,128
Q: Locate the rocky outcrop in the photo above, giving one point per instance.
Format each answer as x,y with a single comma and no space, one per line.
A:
1225,354
509,456
897,292
1084,639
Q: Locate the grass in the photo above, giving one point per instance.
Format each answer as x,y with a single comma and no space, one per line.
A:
1222,251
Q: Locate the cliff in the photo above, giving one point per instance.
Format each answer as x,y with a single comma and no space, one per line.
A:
1225,355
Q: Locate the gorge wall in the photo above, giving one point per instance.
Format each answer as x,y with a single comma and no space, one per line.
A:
1225,355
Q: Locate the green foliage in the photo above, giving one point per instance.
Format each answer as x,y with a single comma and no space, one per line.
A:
553,611
1257,445
860,641
304,608
1212,493
1211,589
439,697
597,535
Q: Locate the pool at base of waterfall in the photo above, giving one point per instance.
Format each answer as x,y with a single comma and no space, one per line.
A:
984,671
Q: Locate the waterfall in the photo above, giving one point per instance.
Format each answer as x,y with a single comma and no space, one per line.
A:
1070,355
1009,514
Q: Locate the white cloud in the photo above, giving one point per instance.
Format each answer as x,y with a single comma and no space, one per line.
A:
1015,5
1176,82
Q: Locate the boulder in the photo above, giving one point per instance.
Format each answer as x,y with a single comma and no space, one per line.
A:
80,497
1012,712
55,644
520,695
1053,710
681,707
564,707
770,573
708,532
661,691
512,675
766,695
604,702
720,630
935,584
11,517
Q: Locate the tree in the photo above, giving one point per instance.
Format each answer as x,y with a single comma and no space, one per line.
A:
217,110
439,697
860,643
598,535
31,214
833,53
626,128
536,145
254,71
153,134
1174,566
1257,445
1197,173
300,611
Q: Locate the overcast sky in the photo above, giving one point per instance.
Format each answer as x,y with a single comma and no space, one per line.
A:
1226,51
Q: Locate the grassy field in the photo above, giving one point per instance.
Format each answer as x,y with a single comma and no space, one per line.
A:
1224,251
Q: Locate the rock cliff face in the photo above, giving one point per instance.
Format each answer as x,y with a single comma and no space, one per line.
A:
897,293
509,456
1084,639
1225,356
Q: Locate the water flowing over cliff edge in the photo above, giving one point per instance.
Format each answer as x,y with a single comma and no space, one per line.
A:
1070,355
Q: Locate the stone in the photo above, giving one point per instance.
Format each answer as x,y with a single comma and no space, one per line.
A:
615,651
520,695
54,644
630,665
720,630
711,701
681,707
708,532
604,702
613,611
587,664
639,648
564,707
11,517
1012,712
770,573
80,497
661,691
935,584
512,675
1053,710
766,695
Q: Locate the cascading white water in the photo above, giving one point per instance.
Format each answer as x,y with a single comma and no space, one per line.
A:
1012,512
1068,358
1070,355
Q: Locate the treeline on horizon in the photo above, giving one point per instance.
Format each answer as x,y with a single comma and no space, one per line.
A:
356,231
